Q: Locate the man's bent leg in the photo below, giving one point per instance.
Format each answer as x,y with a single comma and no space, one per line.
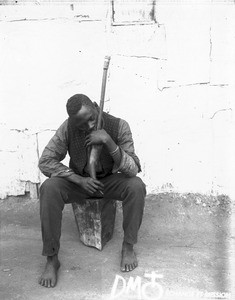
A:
54,193
133,208
131,191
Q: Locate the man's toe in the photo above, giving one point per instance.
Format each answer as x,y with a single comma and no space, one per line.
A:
123,266
53,282
49,283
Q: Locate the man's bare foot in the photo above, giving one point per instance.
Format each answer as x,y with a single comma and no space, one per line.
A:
49,276
129,260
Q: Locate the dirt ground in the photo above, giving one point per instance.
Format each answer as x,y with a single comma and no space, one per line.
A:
185,239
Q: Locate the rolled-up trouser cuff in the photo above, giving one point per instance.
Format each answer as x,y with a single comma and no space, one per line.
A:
130,240
50,248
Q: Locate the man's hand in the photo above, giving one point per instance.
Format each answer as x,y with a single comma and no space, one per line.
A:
88,184
97,137
91,185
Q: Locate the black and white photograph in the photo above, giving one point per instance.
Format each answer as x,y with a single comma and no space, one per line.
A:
117,149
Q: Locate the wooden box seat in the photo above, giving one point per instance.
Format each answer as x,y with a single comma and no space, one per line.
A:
95,219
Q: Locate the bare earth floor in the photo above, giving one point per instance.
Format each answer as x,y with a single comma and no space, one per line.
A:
183,241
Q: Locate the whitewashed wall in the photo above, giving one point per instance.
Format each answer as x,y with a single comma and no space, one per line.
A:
172,81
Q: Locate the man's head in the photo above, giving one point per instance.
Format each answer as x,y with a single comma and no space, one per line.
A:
83,113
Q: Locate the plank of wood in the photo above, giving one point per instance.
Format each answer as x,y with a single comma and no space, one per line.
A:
95,219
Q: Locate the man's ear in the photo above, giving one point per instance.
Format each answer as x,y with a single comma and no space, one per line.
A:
96,105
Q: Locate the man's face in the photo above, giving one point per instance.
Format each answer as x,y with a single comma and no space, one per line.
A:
86,118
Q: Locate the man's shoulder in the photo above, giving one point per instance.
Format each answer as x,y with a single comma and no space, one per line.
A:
121,121
61,132
124,125
63,125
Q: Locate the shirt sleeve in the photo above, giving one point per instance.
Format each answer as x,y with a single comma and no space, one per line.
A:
55,151
126,144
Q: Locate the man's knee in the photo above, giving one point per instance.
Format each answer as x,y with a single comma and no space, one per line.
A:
48,184
52,185
52,194
136,185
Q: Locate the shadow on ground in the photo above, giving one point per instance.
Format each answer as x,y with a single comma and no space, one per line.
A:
184,238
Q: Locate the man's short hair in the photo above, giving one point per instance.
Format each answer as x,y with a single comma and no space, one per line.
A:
75,103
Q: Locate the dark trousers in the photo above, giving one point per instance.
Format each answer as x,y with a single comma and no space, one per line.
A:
55,192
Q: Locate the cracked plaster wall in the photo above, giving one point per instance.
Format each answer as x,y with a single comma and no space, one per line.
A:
172,81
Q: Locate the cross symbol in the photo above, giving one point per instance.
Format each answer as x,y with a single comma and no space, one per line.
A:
153,276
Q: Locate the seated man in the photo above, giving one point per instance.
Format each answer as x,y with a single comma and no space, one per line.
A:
116,178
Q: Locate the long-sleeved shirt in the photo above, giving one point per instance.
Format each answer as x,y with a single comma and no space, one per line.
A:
50,161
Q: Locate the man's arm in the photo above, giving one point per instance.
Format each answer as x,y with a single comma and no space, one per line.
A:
121,152
55,151
51,166
123,160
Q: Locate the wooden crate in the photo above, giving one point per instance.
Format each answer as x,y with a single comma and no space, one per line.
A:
95,219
